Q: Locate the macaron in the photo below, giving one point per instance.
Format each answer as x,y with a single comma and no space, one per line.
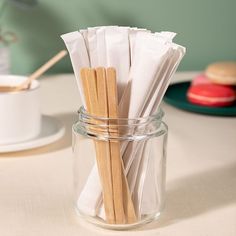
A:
222,72
212,95
200,79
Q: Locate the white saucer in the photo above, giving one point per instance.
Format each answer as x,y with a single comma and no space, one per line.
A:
51,131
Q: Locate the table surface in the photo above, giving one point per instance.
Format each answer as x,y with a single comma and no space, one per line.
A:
36,185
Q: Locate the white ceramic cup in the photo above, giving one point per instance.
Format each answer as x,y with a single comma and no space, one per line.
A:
20,116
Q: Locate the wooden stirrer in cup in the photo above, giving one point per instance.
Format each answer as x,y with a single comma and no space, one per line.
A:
35,75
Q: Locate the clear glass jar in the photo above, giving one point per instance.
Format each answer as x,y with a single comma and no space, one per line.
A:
119,169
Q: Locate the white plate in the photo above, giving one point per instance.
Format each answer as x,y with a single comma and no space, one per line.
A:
51,131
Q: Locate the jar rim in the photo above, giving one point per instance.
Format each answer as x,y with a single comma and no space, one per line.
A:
158,115
103,128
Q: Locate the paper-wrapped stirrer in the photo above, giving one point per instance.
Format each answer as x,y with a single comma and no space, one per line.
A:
76,47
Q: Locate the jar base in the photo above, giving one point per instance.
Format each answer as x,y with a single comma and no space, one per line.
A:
98,222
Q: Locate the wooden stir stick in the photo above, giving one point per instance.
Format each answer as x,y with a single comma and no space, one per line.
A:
35,75
123,204
112,97
98,107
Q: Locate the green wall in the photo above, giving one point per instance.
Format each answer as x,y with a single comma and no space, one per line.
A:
206,27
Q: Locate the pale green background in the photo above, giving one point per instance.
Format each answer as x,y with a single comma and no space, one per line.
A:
206,27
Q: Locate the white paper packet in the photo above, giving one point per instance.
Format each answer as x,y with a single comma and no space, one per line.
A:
92,46
150,54
133,170
132,40
101,47
123,102
176,54
85,200
84,33
167,35
76,47
177,57
135,159
140,178
118,54
132,158
150,194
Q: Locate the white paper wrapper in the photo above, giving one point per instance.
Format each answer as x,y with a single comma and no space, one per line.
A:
148,191
123,104
151,54
76,47
85,200
92,46
150,194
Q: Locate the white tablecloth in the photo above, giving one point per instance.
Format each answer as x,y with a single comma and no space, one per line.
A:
36,185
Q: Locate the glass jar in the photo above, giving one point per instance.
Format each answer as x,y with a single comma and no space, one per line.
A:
119,169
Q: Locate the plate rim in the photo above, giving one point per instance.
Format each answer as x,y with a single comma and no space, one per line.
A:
37,141
211,111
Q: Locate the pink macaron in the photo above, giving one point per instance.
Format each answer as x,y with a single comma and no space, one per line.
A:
200,79
211,95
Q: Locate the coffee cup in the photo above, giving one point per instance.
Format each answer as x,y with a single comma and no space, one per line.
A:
20,115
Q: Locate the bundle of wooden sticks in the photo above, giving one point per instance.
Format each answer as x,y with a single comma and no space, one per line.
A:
100,91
